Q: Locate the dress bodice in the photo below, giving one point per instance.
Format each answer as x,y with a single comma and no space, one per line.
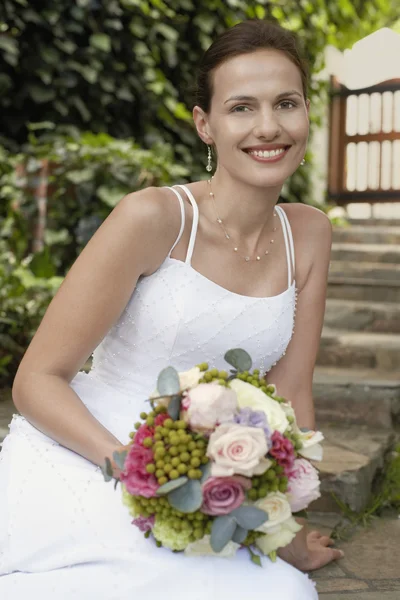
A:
178,317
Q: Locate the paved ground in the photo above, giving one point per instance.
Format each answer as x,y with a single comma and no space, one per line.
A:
370,569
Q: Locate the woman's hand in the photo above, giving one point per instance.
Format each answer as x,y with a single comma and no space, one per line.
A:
318,552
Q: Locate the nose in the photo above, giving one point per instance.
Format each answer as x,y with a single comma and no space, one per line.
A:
267,125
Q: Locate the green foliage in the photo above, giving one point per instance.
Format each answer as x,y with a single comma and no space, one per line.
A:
386,496
126,67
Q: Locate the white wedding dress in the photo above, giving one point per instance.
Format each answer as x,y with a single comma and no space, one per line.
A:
64,532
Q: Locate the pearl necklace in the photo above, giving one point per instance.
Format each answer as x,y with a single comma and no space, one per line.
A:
229,237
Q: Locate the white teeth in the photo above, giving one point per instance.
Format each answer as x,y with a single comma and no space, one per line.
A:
267,153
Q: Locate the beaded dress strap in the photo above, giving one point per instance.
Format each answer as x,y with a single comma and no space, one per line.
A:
181,203
289,245
193,233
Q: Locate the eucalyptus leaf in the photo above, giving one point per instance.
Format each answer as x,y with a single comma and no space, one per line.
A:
305,429
170,486
249,517
222,531
119,458
240,535
187,498
238,358
174,407
107,470
206,469
255,558
168,382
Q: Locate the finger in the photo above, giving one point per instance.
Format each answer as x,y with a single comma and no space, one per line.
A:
325,540
327,557
314,535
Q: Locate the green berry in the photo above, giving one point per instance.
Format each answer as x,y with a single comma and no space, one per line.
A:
147,442
180,424
175,461
168,423
150,421
137,425
182,469
270,475
207,377
263,491
201,444
143,415
214,372
150,468
204,460
162,480
192,445
167,468
279,470
182,447
174,474
275,485
174,451
223,375
192,474
159,473
160,453
195,462
263,389
252,494
157,437
203,366
160,464
196,452
185,457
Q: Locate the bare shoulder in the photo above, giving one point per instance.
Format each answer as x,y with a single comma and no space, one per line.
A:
309,224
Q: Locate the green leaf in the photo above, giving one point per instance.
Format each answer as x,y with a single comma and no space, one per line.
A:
119,458
249,517
111,195
168,382
255,558
170,486
100,41
222,531
206,469
81,175
174,407
107,470
240,535
238,358
188,498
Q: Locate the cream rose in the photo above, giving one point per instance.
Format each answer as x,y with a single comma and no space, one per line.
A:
311,448
277,506
189,379
250,396
203,548
304,485
238,450
207,405
279,536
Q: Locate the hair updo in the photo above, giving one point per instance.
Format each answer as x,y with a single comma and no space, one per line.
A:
244,38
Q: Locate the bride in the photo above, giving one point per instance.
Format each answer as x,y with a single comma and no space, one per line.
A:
173,276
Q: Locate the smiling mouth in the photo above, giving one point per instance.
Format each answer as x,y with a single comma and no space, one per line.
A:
267,153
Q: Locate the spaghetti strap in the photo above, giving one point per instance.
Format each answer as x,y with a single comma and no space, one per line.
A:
181,203
287,234
193,233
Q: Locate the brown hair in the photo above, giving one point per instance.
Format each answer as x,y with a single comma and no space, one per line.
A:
243,38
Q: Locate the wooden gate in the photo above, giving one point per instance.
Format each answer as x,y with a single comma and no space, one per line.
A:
364,143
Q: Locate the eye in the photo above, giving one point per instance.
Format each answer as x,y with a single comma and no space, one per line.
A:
240,108
287,104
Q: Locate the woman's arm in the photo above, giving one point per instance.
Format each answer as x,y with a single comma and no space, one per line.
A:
132,241
293,375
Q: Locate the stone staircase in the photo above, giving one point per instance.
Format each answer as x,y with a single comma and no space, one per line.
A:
357,379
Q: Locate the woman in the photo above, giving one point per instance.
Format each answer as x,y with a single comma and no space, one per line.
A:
173,276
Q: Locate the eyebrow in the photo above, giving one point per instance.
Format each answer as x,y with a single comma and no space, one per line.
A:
252,98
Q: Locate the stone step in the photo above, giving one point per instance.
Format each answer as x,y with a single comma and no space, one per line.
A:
358,315
370,253
367,234
366,350
357,396
352,457
362,288
375,222
376,271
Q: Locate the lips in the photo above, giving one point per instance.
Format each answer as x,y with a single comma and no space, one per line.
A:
266,153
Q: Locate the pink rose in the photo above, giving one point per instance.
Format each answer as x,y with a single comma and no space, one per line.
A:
304,485
207,405
145,430
283,451
221,495
238,450
144,523
136,479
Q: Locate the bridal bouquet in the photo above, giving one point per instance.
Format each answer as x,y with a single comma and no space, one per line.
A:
218,463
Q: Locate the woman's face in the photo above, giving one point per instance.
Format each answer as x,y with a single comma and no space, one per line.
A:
258,120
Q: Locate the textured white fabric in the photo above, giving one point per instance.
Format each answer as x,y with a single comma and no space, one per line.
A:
64,532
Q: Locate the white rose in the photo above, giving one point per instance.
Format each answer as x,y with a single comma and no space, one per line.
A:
238,450
304,485
208,404
189,379
311,448
203,548
250,396
279,536
277,506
